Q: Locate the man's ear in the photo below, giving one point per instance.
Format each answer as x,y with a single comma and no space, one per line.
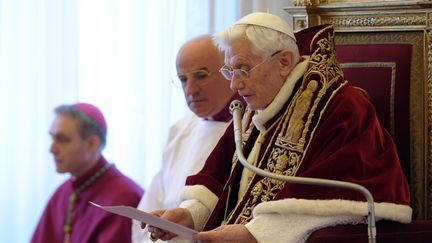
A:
286,62
93,142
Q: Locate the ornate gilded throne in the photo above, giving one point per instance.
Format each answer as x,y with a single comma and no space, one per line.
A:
385,48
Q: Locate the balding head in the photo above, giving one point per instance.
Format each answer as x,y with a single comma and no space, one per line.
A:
198,50
198,63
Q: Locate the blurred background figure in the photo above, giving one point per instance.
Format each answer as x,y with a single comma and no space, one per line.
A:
78,137
58,52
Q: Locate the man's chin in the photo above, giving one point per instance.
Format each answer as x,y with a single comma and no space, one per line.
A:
254,105
200,111
251,105
61,170
249,101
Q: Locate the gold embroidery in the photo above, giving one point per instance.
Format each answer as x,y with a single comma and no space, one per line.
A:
265,190
226,206
68,225
302,105
257,190
321,82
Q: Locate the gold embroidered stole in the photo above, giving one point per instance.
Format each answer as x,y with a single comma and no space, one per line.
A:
288,143
68,225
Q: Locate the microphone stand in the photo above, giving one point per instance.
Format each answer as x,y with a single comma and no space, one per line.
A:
236,109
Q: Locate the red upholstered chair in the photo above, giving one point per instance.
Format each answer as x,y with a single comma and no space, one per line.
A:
393,66
385,48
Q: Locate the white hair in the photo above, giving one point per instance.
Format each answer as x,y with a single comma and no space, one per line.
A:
264,41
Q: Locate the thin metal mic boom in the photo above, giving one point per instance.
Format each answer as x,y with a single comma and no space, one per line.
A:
236,109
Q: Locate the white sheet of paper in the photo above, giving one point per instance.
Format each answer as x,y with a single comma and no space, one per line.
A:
133,213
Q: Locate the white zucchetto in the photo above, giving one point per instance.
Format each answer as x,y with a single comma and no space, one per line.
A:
267,20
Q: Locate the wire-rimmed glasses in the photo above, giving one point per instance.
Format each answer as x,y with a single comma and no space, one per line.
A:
230,73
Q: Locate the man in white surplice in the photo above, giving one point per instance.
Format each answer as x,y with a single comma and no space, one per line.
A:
193,137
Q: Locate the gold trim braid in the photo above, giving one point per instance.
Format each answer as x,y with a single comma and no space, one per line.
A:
294,132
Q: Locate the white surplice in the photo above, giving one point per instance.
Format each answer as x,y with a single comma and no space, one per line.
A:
189,143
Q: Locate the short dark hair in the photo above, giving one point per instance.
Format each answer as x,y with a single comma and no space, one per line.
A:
85,125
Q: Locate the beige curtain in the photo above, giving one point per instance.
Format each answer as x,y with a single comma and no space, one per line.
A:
117,54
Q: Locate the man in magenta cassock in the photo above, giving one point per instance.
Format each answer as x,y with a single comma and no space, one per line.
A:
303,119
78,138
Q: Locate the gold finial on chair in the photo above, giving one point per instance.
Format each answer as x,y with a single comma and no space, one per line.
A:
308,2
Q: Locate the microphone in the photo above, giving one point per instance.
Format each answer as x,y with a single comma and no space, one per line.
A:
236,109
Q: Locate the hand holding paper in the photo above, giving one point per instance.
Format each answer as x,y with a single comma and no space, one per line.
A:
147,218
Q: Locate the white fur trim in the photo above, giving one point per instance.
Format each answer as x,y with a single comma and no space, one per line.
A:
262,116
200,193
293,228
388,211
198,211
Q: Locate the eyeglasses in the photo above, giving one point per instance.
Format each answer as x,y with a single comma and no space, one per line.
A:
199,76
230,73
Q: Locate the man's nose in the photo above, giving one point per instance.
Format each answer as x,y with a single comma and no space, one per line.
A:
53,148
236,83
190,87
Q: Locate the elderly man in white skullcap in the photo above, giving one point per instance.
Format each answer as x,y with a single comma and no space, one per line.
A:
303,119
